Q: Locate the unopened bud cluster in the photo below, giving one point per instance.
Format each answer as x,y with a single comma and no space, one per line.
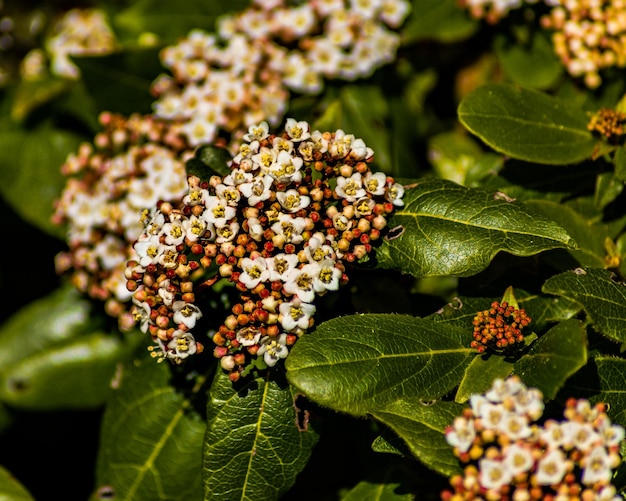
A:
508,455
499,328
133,163
294,209
609,123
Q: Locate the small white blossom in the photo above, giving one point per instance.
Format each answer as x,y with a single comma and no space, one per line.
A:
597,467
551,468
494,474
186,313
292,201
257,132
248,336
181,346
273,349
254,272
350,188
295,315
297,131
462,434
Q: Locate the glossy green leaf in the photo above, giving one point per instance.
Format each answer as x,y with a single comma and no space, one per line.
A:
546,311
11,489
452,155
480,374
516,54
30,166
31,94
253,447
447,229
602,297
359,363
387,486
120,82
76,374
422,425
611,376
53,320
589,235
440,20
527,124
209,161
609,186
361,110
554,357
151,438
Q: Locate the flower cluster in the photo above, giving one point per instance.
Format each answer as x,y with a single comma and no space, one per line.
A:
609,123
499,327
281,226
509,456
589,36
244,74
492,11
77,32
133,163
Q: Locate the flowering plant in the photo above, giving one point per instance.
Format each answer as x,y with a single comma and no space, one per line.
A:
325,249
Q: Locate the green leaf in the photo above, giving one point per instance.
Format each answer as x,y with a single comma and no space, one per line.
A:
361,110
422,425
480,374
120,82
11,489
151,438
589,236
611,376
453,154
619,160
170,21
387,486
209,161
554,357
253,447
50,321
359,363
609,186
517,54
31,94
30,166
527,124
76,374
603,299
447,229
440,20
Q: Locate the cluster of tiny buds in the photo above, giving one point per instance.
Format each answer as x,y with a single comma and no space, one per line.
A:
509,456
499,328
244,73
280,228
133,163
608,123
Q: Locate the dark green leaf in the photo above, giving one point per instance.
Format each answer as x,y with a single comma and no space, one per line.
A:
209,161
361,110
517,56
440,20
589,235
359,363
620,163
480,374
452,230
31,94
548,310
608,187
121,82
76,374
151,438
170,21
388,486
47,322
11,489
452,155
611,375
253,446
422,425
527,124
553,358
30,166
603,298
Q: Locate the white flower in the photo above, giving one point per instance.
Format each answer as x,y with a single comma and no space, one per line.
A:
462,434
280,265
185,313
218,212
195,227
327,278
258,189
493,474
141,314
273,349
148,249
395,194
518,459
552,434
248,336
289,228
297,131
174,232
237,177
300,282
286,169
292,201
228,194
579,435
515,426
375,183
350,188
597,467
551,468
181,346
492,415
295,315
254,272
257,132
226,233
317,251
529,401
